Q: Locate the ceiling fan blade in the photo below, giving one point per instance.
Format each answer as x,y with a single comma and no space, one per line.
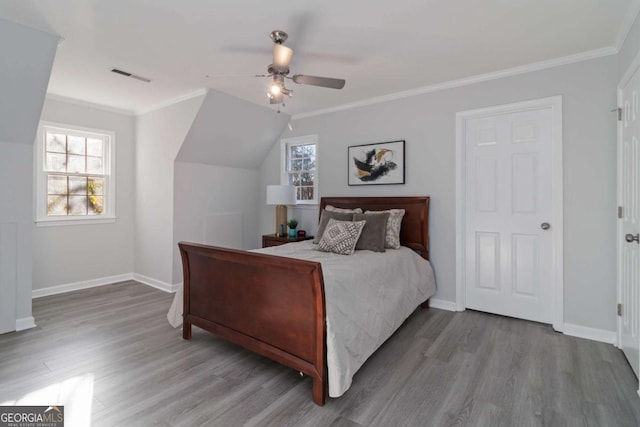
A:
281,56
226,76
329,82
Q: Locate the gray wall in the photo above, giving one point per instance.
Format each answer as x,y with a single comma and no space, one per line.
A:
73,253
195,161
159,136
25,65
16,221
427,123
215,205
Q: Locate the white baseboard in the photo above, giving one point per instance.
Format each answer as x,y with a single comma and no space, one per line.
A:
61,289
601,335
25,323
163,286
442,304
70,287
570,329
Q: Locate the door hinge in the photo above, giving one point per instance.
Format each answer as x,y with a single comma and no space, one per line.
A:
619,113
620,212
619,309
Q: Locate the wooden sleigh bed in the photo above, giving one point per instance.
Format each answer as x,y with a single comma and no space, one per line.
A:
275,306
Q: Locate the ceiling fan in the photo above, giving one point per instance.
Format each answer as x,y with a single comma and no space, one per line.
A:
279,71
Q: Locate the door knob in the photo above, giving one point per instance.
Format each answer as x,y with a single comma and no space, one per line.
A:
632,238
545,226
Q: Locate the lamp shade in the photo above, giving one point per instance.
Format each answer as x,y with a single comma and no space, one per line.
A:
281,194
281,56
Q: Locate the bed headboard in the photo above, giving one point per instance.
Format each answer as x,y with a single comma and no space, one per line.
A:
414,233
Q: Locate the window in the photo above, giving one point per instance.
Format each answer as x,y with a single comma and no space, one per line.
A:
300,167
74,173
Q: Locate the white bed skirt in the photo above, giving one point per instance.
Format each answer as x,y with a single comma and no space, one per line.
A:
174,316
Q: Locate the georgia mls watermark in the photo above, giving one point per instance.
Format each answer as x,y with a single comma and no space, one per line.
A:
31,416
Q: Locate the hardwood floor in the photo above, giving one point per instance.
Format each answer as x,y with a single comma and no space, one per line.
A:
109,355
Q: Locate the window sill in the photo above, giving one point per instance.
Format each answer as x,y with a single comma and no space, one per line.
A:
307,206
74,221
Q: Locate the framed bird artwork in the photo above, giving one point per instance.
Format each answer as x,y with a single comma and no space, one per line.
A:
377,164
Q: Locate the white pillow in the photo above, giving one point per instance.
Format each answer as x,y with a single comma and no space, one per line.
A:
334,209
392,239
340,237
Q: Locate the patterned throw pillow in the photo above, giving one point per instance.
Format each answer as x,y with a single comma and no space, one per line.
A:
340,237
324,220
394,223
334,209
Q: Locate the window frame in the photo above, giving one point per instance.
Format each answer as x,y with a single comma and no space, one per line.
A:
285,146
40,176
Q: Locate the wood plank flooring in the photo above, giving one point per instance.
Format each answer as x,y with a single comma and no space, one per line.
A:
109,355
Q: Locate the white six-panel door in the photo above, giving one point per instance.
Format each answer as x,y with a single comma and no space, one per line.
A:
629,222
507,243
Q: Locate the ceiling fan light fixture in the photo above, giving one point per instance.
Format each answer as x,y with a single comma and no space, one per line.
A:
282,56
275,89
275,99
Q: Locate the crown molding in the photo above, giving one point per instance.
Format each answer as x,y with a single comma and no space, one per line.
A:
163,104
523,69
630,18
172,101
81,103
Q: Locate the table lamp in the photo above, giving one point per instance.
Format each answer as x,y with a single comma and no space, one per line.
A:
281,196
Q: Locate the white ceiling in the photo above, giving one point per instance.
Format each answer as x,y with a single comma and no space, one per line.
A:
379,46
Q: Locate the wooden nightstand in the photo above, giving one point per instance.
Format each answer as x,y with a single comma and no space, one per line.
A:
272,240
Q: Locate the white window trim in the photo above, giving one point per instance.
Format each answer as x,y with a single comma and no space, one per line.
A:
284,177
40,180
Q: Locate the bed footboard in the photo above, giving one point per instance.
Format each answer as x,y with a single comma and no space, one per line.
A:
271,305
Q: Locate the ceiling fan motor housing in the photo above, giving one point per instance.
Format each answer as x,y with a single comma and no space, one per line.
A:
275,71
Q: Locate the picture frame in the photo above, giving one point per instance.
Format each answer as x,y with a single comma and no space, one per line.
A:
376,164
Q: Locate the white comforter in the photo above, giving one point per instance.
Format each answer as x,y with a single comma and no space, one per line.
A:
368,296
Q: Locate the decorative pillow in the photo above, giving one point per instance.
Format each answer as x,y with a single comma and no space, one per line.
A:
340,237
334,209
374,233
324,219
393,226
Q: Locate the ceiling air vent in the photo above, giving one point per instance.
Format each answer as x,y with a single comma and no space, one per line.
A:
133,76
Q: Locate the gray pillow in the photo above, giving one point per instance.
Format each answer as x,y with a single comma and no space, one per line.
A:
374,233
393,226
324,219
334,209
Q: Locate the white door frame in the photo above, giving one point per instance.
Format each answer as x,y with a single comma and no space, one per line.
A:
635,65
555,103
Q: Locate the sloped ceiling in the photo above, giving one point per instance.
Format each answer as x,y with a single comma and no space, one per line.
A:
229,131
25,66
